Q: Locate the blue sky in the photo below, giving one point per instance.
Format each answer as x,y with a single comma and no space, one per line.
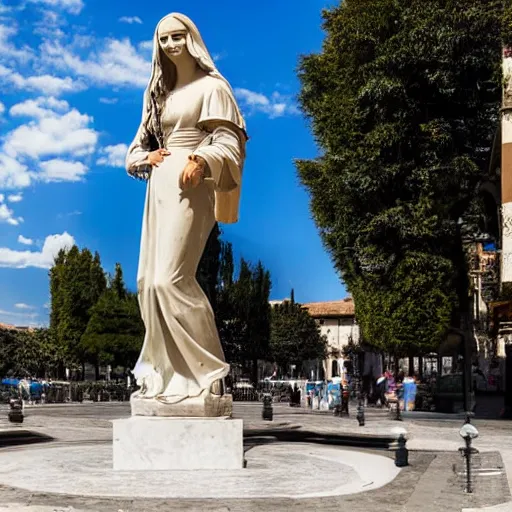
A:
72,74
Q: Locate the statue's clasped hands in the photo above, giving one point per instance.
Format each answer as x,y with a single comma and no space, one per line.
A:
192,174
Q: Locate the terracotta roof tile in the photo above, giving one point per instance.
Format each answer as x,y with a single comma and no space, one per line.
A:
333,308
9,327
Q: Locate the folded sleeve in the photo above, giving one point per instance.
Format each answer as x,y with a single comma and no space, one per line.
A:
138,152
223,149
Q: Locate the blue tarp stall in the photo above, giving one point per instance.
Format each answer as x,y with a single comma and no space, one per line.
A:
409,387
36,388
313,389
10,382
334,394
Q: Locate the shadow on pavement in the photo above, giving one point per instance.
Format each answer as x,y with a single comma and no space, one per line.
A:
21,437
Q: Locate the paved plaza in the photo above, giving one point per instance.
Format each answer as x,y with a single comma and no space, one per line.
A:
298,461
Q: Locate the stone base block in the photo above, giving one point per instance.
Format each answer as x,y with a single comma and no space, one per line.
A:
203,406
148,444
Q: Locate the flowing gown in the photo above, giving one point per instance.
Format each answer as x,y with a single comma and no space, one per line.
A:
182,356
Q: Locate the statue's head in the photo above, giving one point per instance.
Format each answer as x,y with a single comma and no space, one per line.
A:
172,36
176,40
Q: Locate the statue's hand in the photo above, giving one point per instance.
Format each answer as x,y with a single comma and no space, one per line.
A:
157,157
193,174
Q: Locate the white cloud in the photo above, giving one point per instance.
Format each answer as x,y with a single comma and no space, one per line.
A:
52,135
109,101
15,198
25,241
20,318
277,105
53,131
47,84
21,305
71,6
62,170
13,174
7,49
130,19
42,259
39,108
218,56
117,63
2,108
146,45
7,215
113,156
50,25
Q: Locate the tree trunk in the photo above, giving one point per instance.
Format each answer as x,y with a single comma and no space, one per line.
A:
411,366
397,366
254,370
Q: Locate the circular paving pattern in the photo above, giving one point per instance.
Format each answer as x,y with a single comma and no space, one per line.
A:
273,470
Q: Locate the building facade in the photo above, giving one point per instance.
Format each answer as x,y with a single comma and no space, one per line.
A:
337,322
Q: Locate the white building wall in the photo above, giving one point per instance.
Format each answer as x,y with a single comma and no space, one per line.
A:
338,331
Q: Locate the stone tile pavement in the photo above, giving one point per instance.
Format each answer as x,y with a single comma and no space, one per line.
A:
429,484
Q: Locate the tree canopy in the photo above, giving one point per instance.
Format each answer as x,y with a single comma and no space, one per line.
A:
295,336
403,100
115,331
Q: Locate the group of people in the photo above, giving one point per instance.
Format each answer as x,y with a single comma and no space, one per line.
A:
402,389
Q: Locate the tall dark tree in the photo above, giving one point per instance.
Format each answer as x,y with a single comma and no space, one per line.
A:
243,311
403,99
250,295
115,331
76,283
229,325
295,336
117,285
56,276
208,269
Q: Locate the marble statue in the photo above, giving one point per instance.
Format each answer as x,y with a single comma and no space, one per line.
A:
190,147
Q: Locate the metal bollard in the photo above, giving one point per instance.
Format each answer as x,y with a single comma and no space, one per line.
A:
16,412
468,432
401,451
360,413
267,413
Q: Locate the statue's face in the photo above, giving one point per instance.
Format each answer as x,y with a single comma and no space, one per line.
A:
172,37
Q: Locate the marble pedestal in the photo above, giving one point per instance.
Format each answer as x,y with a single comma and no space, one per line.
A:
202,406
148,443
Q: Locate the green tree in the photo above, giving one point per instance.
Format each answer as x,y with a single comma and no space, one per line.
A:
243,311
115,330
294,335
250,295
229,325
208,269
56,277
77,281
117,285
32,352
403,99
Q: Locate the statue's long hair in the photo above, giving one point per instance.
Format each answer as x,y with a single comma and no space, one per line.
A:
163,80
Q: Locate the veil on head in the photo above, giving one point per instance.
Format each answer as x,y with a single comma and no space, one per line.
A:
163,76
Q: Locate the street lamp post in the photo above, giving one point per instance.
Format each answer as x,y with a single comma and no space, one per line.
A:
468,433
359,391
